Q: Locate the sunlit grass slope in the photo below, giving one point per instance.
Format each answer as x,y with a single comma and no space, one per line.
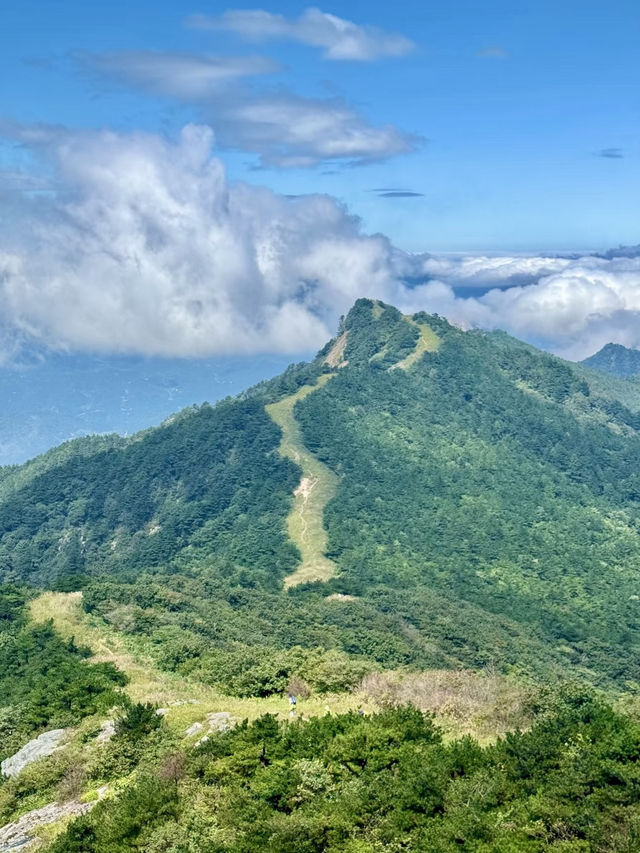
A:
188,700
316,488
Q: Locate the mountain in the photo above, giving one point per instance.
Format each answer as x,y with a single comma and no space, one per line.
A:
420,519
471,496
50,398
615,359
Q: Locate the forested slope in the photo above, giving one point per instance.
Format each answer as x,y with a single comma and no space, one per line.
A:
478,506
616,360
486,513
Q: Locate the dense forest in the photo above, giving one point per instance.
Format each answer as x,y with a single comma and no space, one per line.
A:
485,519
45,681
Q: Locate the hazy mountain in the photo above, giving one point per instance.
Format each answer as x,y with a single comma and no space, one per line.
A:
49,399
616,360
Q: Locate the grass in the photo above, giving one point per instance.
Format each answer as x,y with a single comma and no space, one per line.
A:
188,701
318,485
483,705
427,342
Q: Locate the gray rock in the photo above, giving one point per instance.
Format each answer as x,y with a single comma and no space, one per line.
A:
220,721
194,729
107,731
19,835
46,744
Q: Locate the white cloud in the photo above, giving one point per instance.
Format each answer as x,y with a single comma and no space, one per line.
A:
573,311
179,75
283,129
589,303
485,271
340,39
287,130
146,248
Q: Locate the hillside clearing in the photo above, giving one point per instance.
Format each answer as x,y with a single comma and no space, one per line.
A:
188,701
317,486
427,342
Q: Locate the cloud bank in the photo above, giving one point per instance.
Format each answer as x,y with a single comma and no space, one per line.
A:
573,312
145,247
338,38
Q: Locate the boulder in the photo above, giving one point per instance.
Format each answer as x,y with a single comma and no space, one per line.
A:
45,744
19,835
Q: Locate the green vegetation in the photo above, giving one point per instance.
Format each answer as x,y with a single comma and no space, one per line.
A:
381,783
45,680
427,342
477,508
615,359
420,520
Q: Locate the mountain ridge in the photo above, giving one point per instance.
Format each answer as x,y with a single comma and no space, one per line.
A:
427,462
615,359
478,523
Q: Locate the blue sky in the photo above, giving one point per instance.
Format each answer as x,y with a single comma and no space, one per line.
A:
509,103
192,181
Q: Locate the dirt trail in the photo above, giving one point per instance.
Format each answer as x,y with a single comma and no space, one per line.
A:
427,342
316,488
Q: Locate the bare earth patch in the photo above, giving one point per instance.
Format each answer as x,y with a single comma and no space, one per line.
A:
335,356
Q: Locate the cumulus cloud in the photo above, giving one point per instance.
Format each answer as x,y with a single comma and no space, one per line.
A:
179,75
283,129
145,247
573,311
340,39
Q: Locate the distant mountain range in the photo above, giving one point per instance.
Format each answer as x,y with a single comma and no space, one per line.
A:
616,360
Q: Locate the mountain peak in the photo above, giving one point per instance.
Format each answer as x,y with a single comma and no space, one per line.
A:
616,360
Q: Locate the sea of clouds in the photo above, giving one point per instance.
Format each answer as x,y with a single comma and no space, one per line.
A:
131,243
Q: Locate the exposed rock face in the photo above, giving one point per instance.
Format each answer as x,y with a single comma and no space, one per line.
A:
19,835
45,744
194,729
219,721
